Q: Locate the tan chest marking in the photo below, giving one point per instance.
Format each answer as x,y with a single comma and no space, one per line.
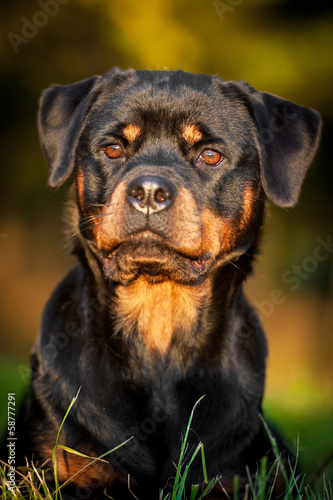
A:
157,310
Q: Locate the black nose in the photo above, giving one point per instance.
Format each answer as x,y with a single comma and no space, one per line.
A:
150,193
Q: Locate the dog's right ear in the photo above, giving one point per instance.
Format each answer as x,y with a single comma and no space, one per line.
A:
61,115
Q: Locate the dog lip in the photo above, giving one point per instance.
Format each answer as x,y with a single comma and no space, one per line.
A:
108,256
199,264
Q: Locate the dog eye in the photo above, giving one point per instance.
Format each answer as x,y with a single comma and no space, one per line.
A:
210,157
114,151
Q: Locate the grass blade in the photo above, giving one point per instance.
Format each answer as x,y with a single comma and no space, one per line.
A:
194,491
78,453
93,460
262,479
210,486
54,456
276,451
182,453
181,487
235,493
203,462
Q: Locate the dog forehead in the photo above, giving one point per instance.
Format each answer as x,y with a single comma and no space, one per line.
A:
160,92
167,80
174,80
166,99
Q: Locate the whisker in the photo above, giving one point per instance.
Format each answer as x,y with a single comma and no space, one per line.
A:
63,243
91,226
87,220
239,269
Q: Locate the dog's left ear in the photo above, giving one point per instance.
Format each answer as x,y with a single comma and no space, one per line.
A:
288,137
61,115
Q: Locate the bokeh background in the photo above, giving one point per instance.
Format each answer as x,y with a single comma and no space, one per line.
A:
281,46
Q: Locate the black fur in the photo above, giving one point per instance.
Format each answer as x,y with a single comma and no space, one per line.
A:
91,335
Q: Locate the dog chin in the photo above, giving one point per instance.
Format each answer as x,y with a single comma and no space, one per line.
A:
156,263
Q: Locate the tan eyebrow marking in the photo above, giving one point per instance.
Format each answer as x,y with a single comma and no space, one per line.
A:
192,134
131,132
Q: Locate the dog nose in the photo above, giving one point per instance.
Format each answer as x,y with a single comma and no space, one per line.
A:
150,193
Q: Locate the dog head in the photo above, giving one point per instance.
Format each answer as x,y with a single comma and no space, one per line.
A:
171,168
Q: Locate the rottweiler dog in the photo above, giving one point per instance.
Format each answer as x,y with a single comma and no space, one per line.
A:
171,174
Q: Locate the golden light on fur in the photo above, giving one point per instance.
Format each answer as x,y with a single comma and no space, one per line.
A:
69,464
248,201
80,187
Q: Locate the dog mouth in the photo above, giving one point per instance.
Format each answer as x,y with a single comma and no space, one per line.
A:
149,255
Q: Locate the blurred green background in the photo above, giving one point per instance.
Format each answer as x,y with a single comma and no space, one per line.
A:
281,46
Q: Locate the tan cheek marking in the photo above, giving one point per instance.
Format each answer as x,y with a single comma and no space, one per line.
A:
247,209
108,229
192,134
217,234
131,132
80,187
220,234
139,305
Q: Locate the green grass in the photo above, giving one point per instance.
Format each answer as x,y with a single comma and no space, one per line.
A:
310,425
304,413
32,484
183,469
